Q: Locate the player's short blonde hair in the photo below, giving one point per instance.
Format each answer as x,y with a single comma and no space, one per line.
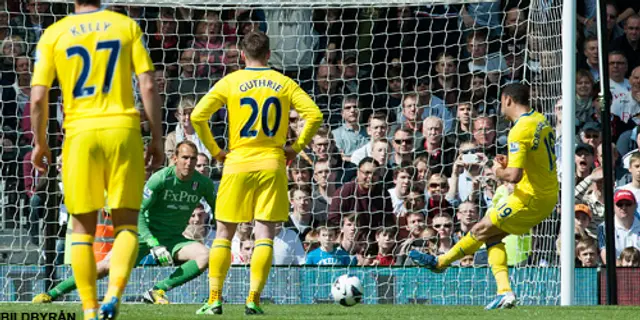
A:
255,45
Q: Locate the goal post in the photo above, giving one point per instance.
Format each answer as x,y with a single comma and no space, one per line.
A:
381,51
567,255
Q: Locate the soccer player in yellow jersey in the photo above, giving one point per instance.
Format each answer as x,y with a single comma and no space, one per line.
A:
254,180
93,54
531,167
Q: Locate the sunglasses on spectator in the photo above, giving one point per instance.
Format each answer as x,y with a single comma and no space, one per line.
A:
470,151
400,141
622,204
440,226
435,185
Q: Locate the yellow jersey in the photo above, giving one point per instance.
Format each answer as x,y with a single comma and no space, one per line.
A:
258,102
532,148
93,55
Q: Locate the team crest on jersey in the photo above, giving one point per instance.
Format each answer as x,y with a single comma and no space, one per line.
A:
194,186
514,147
147,193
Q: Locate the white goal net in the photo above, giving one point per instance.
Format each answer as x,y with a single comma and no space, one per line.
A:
412,84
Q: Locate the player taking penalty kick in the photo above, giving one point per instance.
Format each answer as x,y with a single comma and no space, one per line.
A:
254,180
93,53
531,166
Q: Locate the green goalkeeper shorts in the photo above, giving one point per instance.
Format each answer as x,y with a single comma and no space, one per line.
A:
174,245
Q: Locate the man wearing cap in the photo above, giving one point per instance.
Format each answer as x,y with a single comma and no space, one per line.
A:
584,161
591,134
627,227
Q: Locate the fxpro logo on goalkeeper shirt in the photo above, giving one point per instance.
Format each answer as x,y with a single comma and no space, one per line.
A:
182,196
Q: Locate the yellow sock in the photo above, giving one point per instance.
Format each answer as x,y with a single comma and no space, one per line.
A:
219,262
123,256
91,314
83,264
260,266
498,263
467,245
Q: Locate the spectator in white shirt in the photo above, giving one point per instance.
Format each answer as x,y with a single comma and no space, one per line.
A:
627,107
618,67
246,250
634,169
627,227
300,217
287,248
243,232
403,178
481,60
377,129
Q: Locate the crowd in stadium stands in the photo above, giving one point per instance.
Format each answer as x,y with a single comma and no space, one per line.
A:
410,97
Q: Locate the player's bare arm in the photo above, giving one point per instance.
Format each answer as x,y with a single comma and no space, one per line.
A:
511,175
151,100
39,117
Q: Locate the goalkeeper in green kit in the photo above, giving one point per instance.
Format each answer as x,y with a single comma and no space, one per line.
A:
170,197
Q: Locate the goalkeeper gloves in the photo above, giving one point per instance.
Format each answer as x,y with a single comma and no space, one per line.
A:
160,253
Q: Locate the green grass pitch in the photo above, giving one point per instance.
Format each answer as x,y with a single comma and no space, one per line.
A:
323,311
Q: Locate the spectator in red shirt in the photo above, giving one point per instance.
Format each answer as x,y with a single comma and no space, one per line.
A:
386,240
365,197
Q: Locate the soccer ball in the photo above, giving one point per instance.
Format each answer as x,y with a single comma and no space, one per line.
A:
347,291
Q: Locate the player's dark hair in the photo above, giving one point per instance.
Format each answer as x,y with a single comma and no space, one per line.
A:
185,142
368,160
256,45
518,92
86,2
